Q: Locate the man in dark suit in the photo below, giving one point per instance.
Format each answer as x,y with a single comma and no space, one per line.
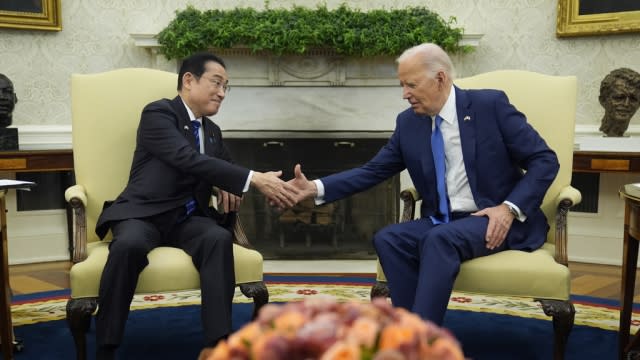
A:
166,202
482,204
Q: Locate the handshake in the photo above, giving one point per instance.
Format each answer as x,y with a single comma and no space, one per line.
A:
284,194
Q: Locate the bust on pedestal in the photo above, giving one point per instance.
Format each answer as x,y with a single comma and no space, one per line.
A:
8,100
620,97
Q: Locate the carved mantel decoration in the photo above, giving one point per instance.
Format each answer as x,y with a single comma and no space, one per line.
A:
317,67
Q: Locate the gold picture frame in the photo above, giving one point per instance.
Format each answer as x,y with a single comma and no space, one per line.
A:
571,22
31,14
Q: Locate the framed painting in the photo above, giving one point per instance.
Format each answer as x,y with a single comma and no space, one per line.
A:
597,17
30,14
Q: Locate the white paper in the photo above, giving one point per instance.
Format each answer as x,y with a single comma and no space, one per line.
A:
16,183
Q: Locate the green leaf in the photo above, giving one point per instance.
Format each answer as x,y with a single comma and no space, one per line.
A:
297,30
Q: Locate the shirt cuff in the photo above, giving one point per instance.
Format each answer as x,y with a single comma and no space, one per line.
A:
521,216
248,182
319,200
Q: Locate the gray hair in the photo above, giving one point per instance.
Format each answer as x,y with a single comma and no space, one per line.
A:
433,57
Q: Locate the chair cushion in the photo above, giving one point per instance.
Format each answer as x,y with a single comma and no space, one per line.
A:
514,273
169,269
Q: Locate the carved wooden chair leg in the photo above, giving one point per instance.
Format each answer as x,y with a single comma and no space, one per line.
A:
258,292
380,289
79,313
563,314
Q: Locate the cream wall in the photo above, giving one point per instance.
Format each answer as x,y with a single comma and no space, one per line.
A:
518,34
96,37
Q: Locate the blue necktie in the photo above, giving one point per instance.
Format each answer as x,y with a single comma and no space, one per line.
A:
437,147
195,127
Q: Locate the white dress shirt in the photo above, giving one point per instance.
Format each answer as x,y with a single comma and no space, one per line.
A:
458,189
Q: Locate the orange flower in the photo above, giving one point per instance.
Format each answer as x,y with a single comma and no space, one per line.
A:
270,346
442,348
364,331
243,337
341,350
288,322
393,336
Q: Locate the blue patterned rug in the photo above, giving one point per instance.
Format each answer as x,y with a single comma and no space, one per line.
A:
167,326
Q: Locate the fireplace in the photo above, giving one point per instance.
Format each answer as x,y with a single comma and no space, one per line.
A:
338,230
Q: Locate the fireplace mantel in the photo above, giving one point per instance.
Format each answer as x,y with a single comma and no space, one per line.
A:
316,68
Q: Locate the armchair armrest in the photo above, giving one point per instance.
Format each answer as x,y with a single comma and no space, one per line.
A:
569,193
76,193
76,196
567,197
409,197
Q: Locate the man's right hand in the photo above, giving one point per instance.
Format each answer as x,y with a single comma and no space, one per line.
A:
306,188
280,193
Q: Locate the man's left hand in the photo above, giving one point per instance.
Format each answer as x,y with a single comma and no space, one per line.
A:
500,220
228,202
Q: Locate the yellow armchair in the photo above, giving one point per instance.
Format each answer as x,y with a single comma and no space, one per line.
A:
549,102
106,111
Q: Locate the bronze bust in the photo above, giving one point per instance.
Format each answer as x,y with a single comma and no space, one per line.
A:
8,100
620,97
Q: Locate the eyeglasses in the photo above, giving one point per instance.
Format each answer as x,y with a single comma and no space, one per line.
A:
219,84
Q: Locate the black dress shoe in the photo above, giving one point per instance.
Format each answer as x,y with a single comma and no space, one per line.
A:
106,352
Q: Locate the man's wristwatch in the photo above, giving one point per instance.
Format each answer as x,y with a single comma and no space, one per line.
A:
513,211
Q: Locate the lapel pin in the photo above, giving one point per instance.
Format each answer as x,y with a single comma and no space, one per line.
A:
467,118
186,127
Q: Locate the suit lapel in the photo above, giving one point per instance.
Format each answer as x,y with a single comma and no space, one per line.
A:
423,132
209,137
467,124
184,122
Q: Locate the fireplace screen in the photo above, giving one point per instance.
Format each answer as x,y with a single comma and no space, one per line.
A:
338,230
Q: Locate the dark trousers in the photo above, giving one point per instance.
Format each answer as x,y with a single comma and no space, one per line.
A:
421,260
211,249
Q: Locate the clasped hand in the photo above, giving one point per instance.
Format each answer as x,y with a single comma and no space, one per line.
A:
280,194
297,189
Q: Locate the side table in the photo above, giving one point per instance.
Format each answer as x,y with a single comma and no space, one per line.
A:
6,327
631,195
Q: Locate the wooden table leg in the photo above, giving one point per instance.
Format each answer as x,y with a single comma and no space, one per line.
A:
6,329
629,266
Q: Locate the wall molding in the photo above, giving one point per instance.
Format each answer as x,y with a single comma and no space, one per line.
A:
44,137
47,137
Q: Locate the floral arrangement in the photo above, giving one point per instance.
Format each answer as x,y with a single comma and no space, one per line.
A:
328,330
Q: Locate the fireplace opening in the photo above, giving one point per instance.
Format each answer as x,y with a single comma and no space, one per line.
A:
338,230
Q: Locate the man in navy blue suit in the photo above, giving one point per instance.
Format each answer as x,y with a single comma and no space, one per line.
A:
496,170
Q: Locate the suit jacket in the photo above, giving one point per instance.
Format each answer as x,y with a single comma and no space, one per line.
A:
497,145
167,169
